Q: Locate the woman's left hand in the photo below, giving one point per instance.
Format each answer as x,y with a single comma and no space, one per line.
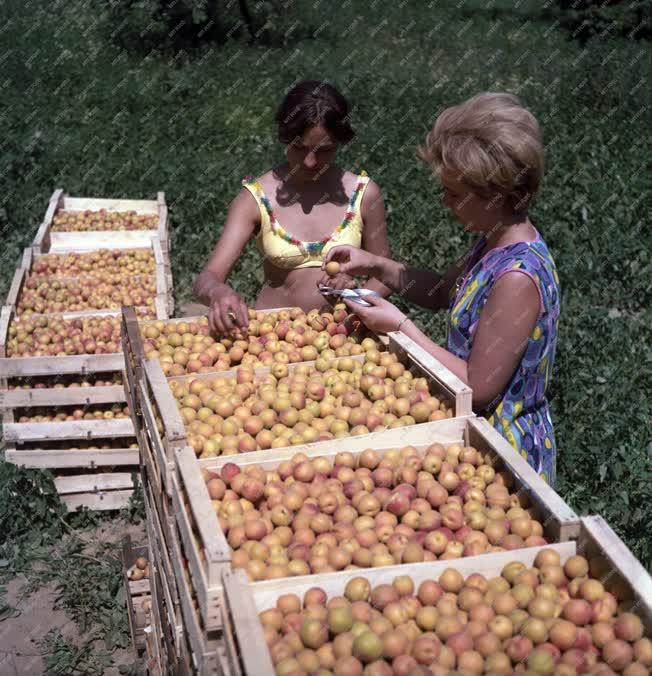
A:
381,317
339,281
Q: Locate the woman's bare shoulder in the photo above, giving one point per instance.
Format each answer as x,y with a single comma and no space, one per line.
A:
270,179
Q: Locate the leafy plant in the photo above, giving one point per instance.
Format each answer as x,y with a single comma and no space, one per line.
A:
63,658
143,26
586,19
29,506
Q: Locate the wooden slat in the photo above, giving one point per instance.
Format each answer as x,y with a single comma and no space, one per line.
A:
132,347
75,429
162,464
459,391
425,433
62,396
233,667
42,240
93,483
164,400
154,634
93,312
62,241
134,598
216,549
137,587
541,494
109,500
5,319
163,536
82,364
169,631
162,306
54,458
254,654
16,285
208,596
141,207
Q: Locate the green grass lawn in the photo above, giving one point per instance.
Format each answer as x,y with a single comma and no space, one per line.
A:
80,114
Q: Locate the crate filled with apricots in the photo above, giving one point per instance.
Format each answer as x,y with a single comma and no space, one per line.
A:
78,284
576,607
86,223
295,513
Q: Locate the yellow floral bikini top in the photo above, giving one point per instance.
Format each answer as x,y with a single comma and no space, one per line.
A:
285,251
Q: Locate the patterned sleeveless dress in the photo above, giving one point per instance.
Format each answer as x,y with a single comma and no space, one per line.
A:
521,413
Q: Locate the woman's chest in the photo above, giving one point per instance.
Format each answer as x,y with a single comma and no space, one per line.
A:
309,221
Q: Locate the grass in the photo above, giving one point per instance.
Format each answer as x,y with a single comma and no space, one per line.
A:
80,114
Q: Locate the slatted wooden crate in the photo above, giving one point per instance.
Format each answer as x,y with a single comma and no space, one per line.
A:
50,240
22,367
133,345
244,601
96,478
163,303
137,593
209,554
165,429
187,641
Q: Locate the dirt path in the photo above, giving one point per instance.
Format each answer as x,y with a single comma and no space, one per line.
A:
20,653
19,636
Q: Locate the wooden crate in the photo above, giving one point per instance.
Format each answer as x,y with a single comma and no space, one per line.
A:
174,578
204,643
163,300
138,594
616,567
243,601
209,554
23,367
134,348
168,433
196,647
79,478
49,241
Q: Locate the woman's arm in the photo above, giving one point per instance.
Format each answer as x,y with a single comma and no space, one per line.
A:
210,286
506,323
426,288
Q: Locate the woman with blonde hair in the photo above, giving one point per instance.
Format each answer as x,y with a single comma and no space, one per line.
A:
503,295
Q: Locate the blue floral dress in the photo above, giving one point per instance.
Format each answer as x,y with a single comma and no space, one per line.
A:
521,413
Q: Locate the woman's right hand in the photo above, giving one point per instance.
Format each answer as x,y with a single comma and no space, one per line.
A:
228,312
353,261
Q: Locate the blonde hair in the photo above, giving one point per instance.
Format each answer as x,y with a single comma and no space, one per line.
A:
492,144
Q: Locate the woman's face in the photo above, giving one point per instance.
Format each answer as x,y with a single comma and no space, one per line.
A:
474,212
311,154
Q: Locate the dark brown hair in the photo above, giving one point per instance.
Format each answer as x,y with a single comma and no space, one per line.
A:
311,103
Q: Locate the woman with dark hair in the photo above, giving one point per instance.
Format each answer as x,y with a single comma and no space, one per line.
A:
297,212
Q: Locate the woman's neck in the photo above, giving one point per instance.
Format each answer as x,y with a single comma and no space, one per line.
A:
511,229
294,182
